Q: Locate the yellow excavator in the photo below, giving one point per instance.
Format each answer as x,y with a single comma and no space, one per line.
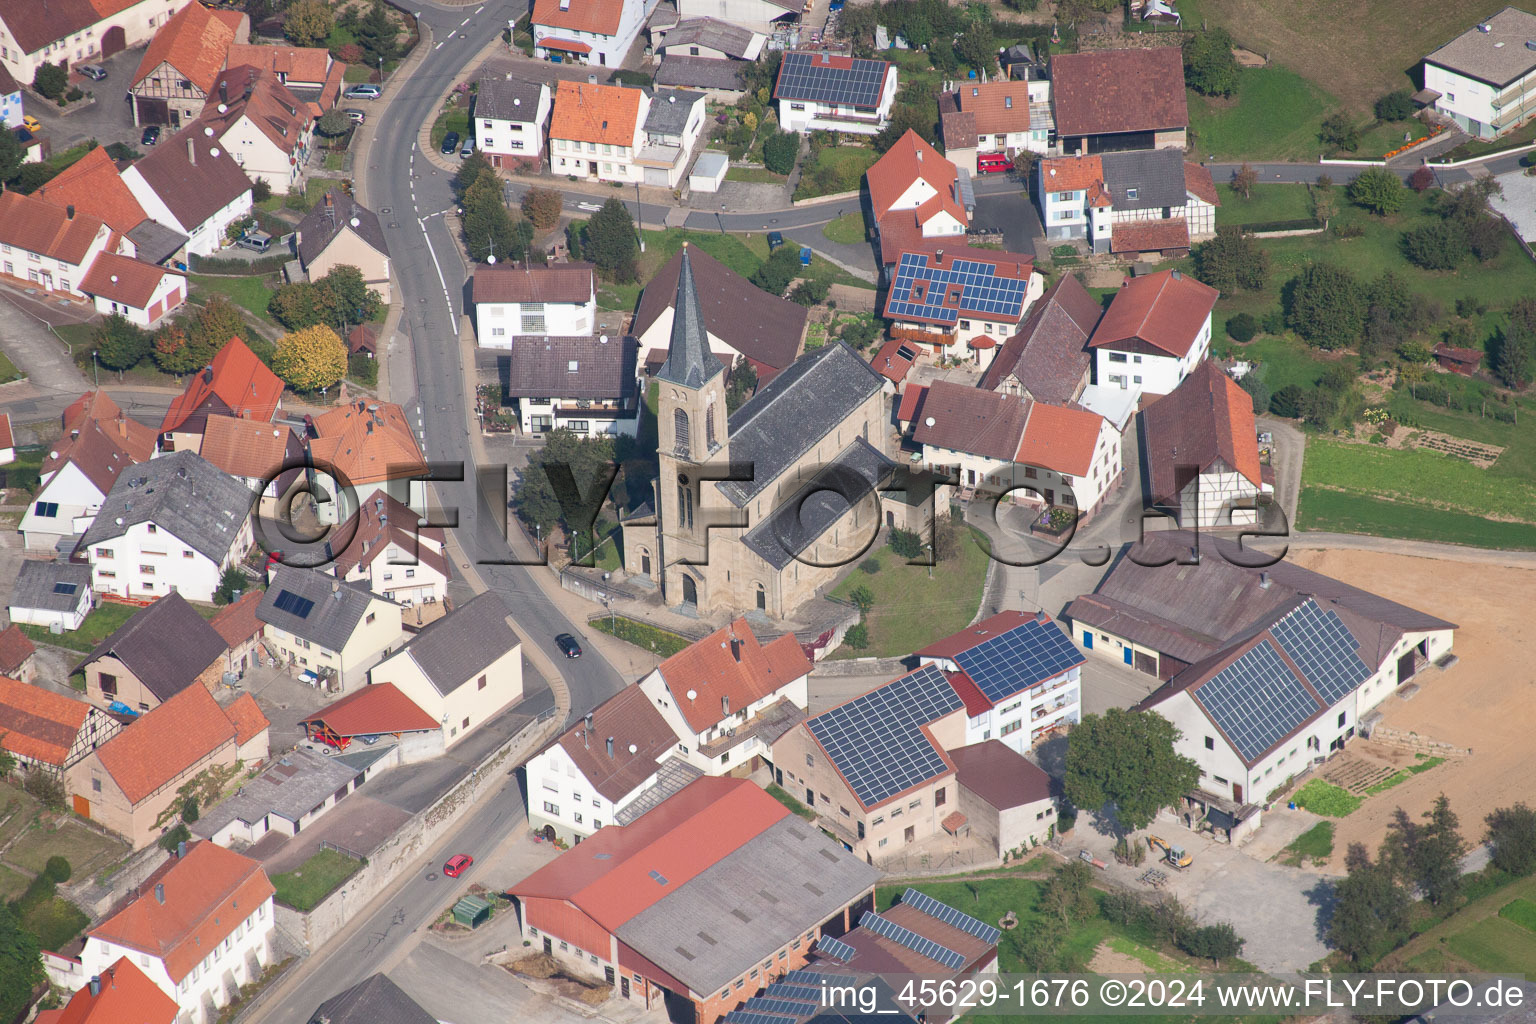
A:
1174,855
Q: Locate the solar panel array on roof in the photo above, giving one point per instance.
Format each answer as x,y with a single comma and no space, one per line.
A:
874,740
65,588
293,604
800,993
913,941
982,292
805,976
757,1017
805,76
1324,649
1029,653
950,916
835,948
1257,701
792,1007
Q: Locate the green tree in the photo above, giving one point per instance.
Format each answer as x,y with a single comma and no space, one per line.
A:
215,324
1512,836
173,351
740,385
1127,760
488,227
1073,11
1512,355
21,965
51,79
7,762
189,809
1395,106
1378,190
333,123
311,359
1257,390
1242,327
32,177
470,170
856,636
308,22
858,22
1069,894
1213,942
1369,906
610,242
1286,403
810,293
298,305
1232,261
57,869
781,267
233,580
1436,245
542,206
573,233
11,155
1327,306
1429,853
591,464
1340,132
346,296
977,47
1210,67
1243,180
120,345
376,33
780,150
862,598
179,834
922,118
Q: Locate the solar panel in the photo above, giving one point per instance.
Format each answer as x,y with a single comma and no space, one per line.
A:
792,1007
1324,649
805,976
1025,655
803,76
757,1017
982,292
950,916
65,588
835,948
799,993
913,941
1256,700
293,604
874,740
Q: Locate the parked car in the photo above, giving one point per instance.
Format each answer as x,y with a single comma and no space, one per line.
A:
568,645
95,72
354,115
450,144
31,123
467,149
151,135
456,864
362,92
775,239
805,255
256,241
993,163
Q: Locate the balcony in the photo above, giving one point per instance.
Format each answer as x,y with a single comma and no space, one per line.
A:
768,724
924,337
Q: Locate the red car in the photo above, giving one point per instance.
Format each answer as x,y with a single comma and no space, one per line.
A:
456,864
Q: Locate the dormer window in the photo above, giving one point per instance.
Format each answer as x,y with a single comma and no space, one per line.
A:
1008,102
1130,193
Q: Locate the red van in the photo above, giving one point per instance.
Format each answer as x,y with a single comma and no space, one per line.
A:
993,163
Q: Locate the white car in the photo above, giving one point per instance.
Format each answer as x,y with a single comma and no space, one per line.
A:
362,92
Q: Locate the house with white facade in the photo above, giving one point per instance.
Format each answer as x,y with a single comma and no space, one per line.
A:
191,184
511,115
264,126
989,123
597,131
584,384
587,31
267,457
93,185
201,928
1201,452
463,669
51,593
11,111
1156,330
820,91
336,630
170,525
961,300
176,74
140,292
672,127
552,299
123,992
918,199
341,232
1485,78
387,547
757,15
47,247
1140,201
31,34
1017,673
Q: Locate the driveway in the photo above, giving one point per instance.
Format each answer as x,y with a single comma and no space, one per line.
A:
108,120
36,350
1014,215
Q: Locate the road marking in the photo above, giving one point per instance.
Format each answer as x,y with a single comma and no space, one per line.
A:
480,8
452,320
450,35
439,46
464,22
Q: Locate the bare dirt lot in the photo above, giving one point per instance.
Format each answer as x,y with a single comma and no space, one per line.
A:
1487,702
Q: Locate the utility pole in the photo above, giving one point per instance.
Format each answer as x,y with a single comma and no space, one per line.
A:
95,372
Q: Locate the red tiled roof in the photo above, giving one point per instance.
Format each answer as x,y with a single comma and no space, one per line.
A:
967,419
38,723
255,449
246,715
363,338
100,440
376,709
30,223
998,107
1207,417
207,893
127,997
609,875
1198,182
952,821
558,282
1165,310
194,41
165,741
600,17
128,281
894,359
908,160
1061,438
585,112
275,111
236,383
911,403
976,702
1470,356
369,535
93,185
1150,235
238,623
1106,91
982,341
629,719
1072,173
15,649
712,671
367,447
296,65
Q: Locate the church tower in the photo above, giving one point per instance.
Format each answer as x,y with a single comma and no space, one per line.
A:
691,431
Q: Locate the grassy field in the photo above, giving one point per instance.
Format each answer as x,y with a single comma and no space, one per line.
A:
1268,203
1316,843
846,230
8,371
104,620
249,293
1521,136
1338,512
1275,115
11,883
851,162
1326,799
911,607
88,851
55,922
1495,944
315,879
455,120
1521,911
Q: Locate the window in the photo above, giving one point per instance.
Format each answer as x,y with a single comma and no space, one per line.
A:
810,762
480,683
915,804
50,510
466,723
1341,719
147,570
370,618
550,808
1210,743
843,811
577,817
96,785
882,843
879,820
725,758
185,553
897,812
152,528
1011,727
1117,357
1030,473
1130,193
1218,780
938,797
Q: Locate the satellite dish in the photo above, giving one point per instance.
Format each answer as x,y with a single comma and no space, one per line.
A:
214,152
491,259
114,279
929,421
633,749
692,694
208,130
354,222
603,339
223,109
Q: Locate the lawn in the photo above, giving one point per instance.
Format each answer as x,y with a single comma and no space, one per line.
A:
1496,945
87,851
1155,962
1316,843
1268,203
849,162
1326,799
104,620
1338,512
916,604
1275,115
8,371
847,229
249,293
455,120
314,880
641,634
1521,136
12,883
56,922
795,806
1521,911
1281,360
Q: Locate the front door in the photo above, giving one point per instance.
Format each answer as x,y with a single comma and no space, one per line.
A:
549,947
1128,655
1237,792
623,987
1087,641
82,806
690,590
810,797
910,834
645,564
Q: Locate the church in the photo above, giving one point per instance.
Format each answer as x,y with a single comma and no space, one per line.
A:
762,509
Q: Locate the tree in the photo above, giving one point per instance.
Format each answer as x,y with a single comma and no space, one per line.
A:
119,344
1378,190
977,47
261,191
1369,905
7,762
1286,403
171,839
1429,854
1327,306
173,351
21,965
780,150
376,33
333,123
298,305
1512,355
1437,245
1231,261
781,267
749,121
32,177
1421,179
905,116
1210,67
57,869
740,385
1243,180
308,22
1214,942
1395,106
809,293
856,636
1024,163
1325,200
189,809
311,359
858,22
1242,327
346,296
11,155
1512,835
863,599
543,207
1127,759
488,227
1523,312
610,242
51,79
470,170
1257,390
1069,893
573,232
591,464
216,323
1338,131
232,582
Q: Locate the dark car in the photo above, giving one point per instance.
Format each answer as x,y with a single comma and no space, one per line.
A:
456,864
450,144
568,645
151,135
775,239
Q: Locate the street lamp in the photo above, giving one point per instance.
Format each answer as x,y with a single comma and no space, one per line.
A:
95,373
638,217
720,219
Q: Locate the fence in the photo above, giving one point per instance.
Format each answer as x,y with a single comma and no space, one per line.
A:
326,844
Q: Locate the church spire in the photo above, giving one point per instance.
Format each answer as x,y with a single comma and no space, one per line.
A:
689,359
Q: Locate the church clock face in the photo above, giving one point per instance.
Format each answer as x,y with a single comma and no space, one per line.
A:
682,479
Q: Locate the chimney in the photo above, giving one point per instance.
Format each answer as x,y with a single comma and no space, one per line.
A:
95,985
122,426
69,212
610,746
1264,580
1177,276
160,893
191,150
207,375
181,849
725,705
589,719
223,91
736,649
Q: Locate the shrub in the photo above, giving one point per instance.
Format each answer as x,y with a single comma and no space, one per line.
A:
1395,106
1338,131
51,80
857,636
179,834
870,566
1286,402
905,543
1438,245
779,152
57,870
1257,390
1421,179
261,191
1242,327
809,293
362,369
1378,190
1273,322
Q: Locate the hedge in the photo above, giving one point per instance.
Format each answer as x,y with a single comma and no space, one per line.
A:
240,268
1300,224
